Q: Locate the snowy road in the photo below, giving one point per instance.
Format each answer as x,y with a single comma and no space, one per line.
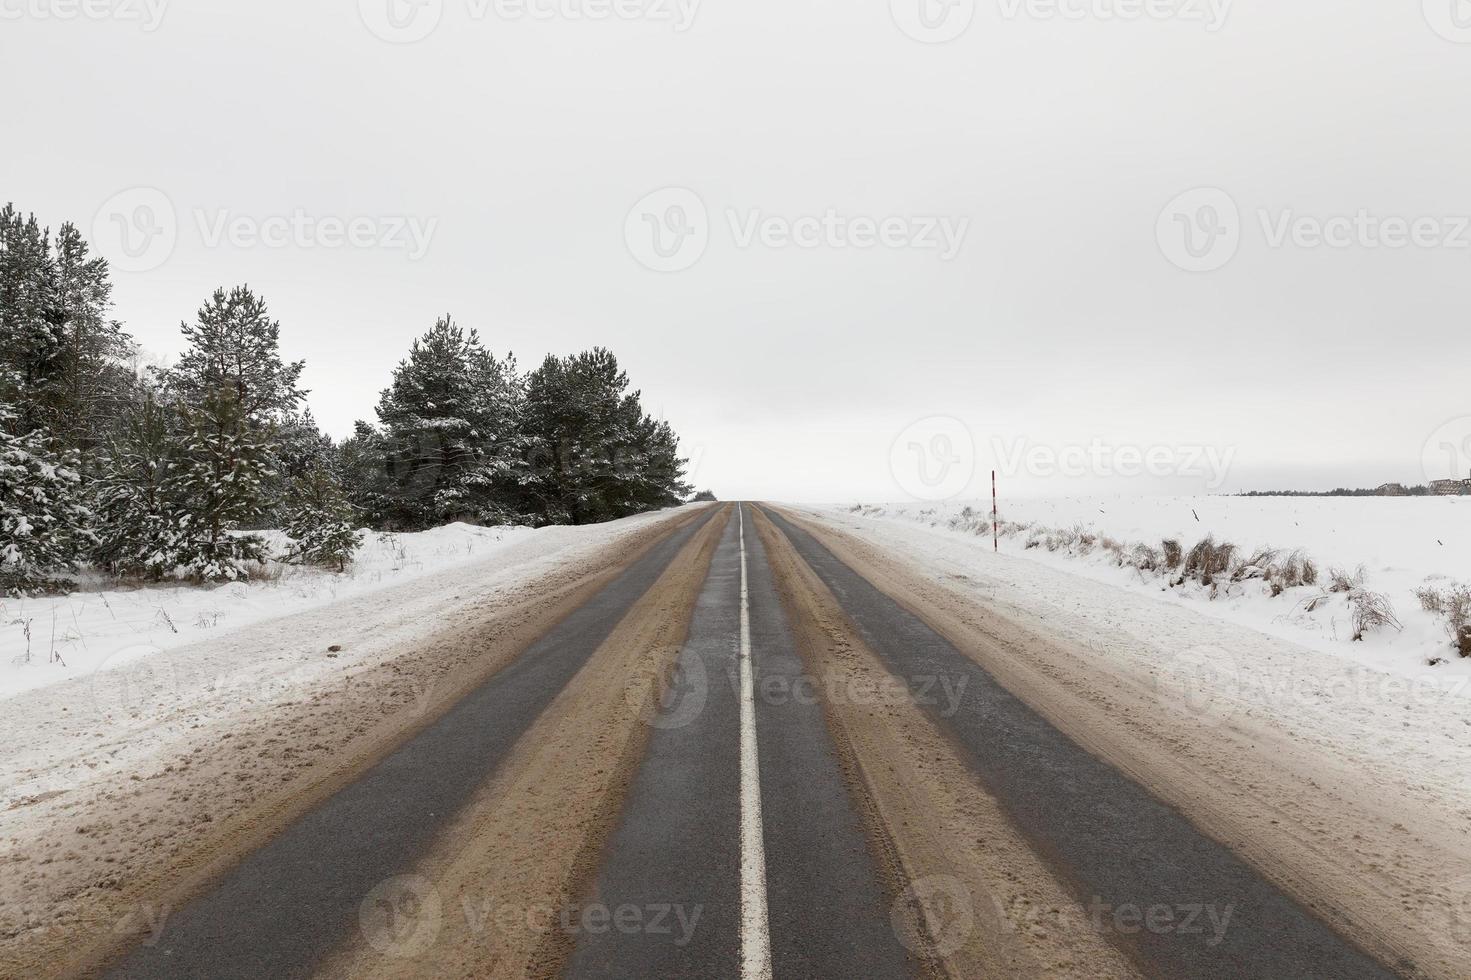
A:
751,741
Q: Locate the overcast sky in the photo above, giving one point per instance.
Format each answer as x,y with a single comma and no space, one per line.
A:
854,249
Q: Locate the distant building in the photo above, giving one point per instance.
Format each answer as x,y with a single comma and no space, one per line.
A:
1450,488
1393,490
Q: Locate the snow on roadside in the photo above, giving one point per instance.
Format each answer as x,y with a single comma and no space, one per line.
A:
51,639
1402,544
137,690
1369,711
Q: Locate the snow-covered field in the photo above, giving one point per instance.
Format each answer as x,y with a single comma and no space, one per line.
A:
52,639
1402,544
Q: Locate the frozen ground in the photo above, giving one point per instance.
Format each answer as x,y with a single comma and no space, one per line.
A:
1401,543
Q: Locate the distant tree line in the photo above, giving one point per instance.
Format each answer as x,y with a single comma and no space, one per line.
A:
1399,491
155,473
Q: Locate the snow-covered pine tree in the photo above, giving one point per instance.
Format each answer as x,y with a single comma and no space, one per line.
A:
88,381
232,390
57,338
591,454
298,448
235,346
43,523
448,420
658,478
362,461
567,419
301,447
218,490
139,528
27,345
320,522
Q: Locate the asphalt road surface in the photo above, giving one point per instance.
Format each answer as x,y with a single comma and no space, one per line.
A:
813,782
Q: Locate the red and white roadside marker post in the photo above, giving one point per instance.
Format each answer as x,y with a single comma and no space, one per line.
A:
995,518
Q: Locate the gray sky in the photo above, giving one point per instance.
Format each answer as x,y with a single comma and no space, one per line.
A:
521,142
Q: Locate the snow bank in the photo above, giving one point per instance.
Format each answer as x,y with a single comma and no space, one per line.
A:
1401,543
55,638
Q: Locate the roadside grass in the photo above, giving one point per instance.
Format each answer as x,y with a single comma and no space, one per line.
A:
1219,568
1454,605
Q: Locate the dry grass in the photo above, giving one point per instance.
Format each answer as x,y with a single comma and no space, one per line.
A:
1280,570
1208,560
1432,600
1341,581
1256,566
1454,604
1146,558
1371,611
1222,567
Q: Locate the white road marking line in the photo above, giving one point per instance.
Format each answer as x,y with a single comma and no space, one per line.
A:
755,934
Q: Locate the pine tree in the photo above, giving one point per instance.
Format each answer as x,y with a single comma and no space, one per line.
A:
28,346
139,525
363,464
564,429
301,447
320,524
298,448
590,452
59,361
657,479
43,523
235,346
57,338
232,390
88,383
218,490
448,420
